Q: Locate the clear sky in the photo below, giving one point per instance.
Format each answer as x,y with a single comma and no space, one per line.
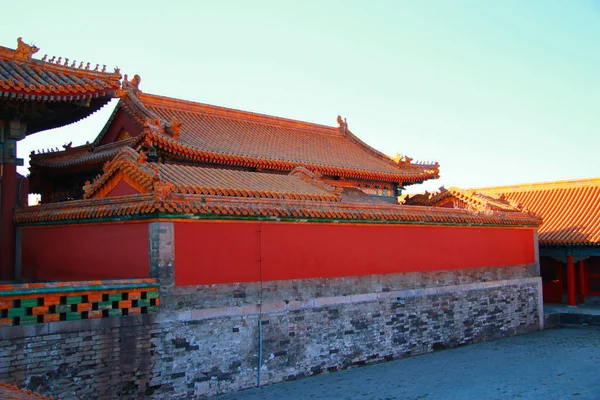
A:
497,92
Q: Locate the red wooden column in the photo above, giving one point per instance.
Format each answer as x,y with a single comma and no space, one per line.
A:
11,132
582,290
571,282
7,230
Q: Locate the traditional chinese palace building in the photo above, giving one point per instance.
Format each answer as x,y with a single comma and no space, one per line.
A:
214,249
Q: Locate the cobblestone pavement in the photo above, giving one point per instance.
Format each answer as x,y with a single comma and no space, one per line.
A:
553,364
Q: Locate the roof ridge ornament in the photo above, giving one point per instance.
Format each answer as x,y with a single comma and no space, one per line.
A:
143,157
174,127
132,85
402,159
154,124
314,178
342,125
24,51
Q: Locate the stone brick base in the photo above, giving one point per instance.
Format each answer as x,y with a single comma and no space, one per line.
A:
202,351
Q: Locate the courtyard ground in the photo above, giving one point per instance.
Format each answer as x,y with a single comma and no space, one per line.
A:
552,364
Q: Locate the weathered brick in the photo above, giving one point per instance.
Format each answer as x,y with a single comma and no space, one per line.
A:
133,361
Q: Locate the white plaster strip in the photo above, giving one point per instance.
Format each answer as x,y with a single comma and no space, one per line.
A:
541,304
282,306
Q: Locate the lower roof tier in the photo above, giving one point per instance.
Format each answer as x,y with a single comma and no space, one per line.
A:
130,187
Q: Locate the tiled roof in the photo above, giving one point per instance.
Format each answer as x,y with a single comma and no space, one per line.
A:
221,136
300,184
70,91
236,207
570,209
26,78
12,392
469,198
85,154
185,190
226,136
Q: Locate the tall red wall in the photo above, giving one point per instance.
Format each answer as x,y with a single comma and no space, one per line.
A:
85,252
223,252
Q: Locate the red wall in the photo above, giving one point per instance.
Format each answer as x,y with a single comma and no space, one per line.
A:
121,121
86,252
122,189
221,252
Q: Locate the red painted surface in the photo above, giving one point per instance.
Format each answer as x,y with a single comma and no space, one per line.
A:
552,292
85,252
122,189
121,121
214,252
581,280
7,230
570,281
552,282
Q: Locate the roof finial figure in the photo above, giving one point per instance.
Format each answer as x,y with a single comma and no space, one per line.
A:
87,66
80,65
342,124
104,68
66,62
133,84
402,160
175,127
52,60
45,57
59,61
24,51
142,158
97,66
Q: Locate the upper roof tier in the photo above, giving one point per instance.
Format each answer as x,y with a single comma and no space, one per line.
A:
132,187
206,134
261,140
70,91
570,209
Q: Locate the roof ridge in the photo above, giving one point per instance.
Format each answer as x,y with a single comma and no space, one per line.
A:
161,140
233,113
264,208
24,53
546,185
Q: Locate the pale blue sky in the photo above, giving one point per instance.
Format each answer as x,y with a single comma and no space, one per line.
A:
497,92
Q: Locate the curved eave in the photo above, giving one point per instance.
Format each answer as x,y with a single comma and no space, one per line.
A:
554,242
28,95
172,146
49,160
55,118
182,206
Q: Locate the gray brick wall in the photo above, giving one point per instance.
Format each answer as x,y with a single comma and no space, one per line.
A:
205,340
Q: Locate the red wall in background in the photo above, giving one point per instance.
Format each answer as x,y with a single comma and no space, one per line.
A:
121,121
122,189
223,252
86,252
